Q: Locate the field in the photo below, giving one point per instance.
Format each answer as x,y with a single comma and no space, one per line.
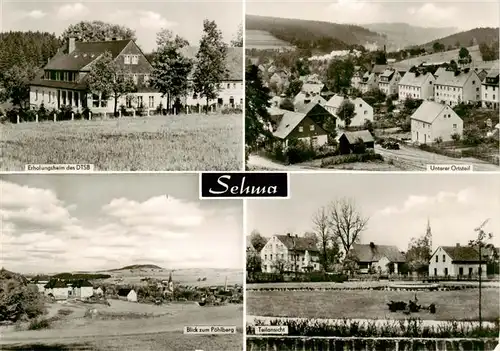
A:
371,304
440,57
129,326
260,40
157,143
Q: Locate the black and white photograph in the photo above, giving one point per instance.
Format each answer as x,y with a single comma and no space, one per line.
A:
119,262
122,85
367,85
375,262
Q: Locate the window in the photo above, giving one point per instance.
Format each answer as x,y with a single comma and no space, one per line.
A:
36,95
234,85
477,89
454,126
301,129
151,102
493,96
146,78
64,97
473,82
139,101
311,127
265,257
77,100
70,97
134,78
228,86
127,59
58,75
50,97
446,272
366,112
135,59
65,76
129,101
470,271
461,271
360,105
271,256
444,258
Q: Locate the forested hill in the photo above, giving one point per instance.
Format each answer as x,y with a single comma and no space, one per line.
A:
471,37
315,35
32,48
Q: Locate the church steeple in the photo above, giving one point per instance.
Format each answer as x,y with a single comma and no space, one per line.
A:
428,233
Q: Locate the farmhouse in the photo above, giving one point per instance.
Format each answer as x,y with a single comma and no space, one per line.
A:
57,289
231,93
368,82
127,294
388,82
416,85
434,121
454,87
288,124
290,253
456,261
82,289
490,89
63,80
378,258
362,111
348,141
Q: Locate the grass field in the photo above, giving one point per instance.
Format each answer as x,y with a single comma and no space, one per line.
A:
158,143
371,304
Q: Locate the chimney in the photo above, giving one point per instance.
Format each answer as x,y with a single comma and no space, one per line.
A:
71,45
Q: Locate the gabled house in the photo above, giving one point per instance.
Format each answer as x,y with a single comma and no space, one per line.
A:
455,87
288,124
302,106
368,82
456,261
312,88
362,111
348,141
357,78
82,289
280,79
378,69
290,253
127,294
434,121
57,289
490,89
388,81
416,85
377,258
63,80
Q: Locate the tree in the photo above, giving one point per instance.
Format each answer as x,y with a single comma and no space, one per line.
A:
279,265
257,100
238,40
419,252
170,68
253,263
328,247
301,67
294,88
287,104
479,243
346,223
346,112
210,68
97,31
380,58
108,78
257,240
16,85
464,56
438,47
339,74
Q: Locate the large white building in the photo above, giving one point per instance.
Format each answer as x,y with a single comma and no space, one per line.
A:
362,111
490,89
416,85
388,82
433,121
456,261
290,253
455,87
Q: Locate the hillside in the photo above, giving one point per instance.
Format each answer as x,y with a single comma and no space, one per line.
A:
262,40
401,35
136,266
315,35
471,37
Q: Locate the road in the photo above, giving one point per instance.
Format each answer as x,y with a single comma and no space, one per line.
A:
413,159
262,162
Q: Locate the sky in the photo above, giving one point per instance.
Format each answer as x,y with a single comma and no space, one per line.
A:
445,13
398,206
185,18
54,223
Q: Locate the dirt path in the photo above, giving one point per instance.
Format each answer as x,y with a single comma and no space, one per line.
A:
412,159
230,315
262,162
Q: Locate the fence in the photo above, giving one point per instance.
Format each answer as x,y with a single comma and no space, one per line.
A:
299,343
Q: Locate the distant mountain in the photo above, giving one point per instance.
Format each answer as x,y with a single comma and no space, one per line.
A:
401,35
471,37
317,36
137,266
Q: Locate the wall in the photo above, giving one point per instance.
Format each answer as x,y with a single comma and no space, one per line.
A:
259,343
444,127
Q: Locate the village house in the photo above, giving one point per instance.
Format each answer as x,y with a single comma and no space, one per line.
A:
348,141
416,85
280,79
356,79
377,258
362,111
368,82
434,121
455,87
63,80
297,125
57,289
490,89
302,105
127,294
456,261
231,88
82,289
312,88
388,81
312,78
98,291
290,253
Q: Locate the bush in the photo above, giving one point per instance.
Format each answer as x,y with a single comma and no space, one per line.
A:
351,158
231,110
298,151
38,324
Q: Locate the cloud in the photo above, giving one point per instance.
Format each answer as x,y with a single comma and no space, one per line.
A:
153,20
71,11
431,14
348,11
36,14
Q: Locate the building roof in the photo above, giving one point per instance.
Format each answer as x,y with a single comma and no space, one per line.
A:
288,122
373,253
388,73
428,111
378,69
82,284
414,79
303,107
298,243
353,137
234,60
124,291
439,71
56,284
84,54
462,253
493,73
449,78
335,101
314,88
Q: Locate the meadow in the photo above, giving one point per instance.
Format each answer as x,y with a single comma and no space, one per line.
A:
460,305
157,143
